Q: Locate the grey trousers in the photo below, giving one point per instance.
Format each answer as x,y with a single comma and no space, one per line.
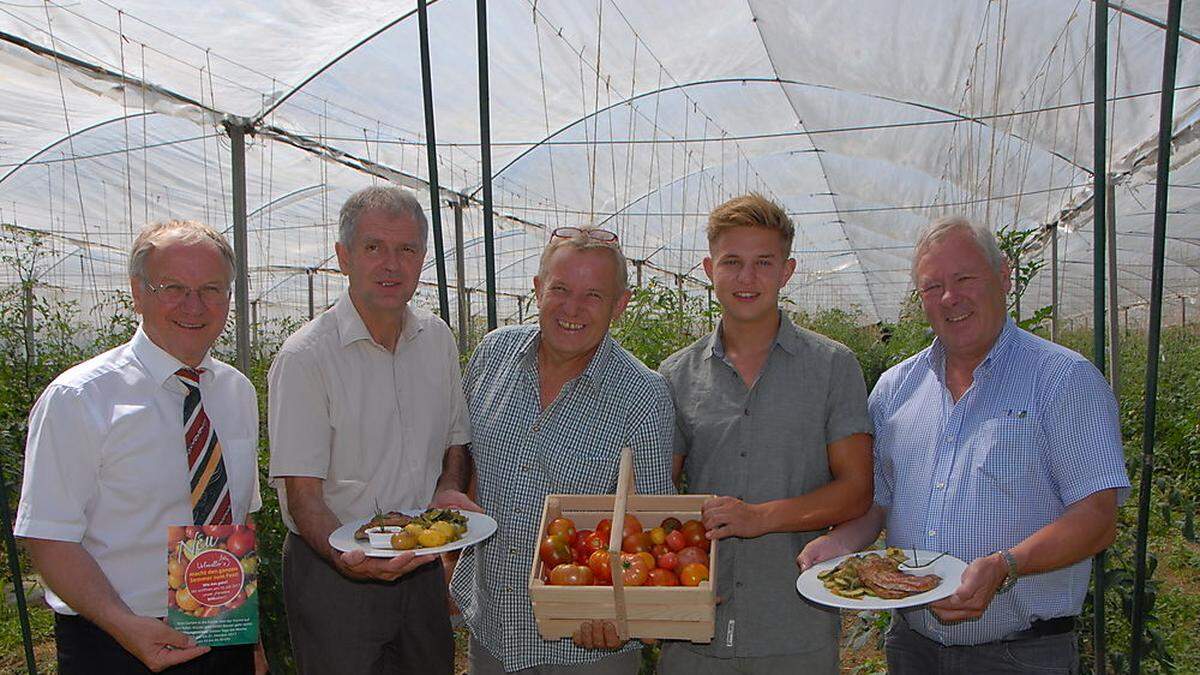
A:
626,663
343,626
677,659
909,652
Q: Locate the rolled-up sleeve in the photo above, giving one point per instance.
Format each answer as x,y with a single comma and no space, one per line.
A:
297,418
62,467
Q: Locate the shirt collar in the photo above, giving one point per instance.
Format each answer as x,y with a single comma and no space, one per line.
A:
787,337
158,362
351,328
935,356
596,369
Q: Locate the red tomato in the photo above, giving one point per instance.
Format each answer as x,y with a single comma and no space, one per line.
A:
659,549
572,575
668,561
635,542
634,570
690,555
676,541
240,543
692,575
604,527
564,527
661,577
671,524
632,524
580,554
601,568
646,558
693,533
555,551
595,541
213,531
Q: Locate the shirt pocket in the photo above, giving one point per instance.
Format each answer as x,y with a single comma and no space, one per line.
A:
1008,449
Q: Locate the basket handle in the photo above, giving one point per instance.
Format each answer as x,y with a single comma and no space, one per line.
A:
625,486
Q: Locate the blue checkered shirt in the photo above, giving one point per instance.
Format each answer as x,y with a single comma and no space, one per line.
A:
523,453
1036,432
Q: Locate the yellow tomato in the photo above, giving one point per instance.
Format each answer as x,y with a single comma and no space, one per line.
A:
186,602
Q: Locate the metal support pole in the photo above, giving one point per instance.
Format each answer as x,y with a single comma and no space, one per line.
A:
254,321
14,568
1099,194
311,307
435,204
485,155
1165,126
1054,283
241,279
1114,339
460,273
1182,311
637,266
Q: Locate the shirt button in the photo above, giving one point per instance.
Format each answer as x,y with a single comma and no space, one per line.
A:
508,589
535,428
747,411
933,533
743,454
949,437
513,550
738,584
941,486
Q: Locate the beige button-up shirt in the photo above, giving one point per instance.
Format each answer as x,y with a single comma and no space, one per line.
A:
372,423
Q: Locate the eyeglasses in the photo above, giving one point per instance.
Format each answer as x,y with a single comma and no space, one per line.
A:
603,236
212,295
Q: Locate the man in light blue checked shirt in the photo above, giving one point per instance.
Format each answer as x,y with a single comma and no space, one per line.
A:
1001,448
552,406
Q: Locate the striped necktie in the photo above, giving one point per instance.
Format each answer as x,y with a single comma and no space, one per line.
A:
210,486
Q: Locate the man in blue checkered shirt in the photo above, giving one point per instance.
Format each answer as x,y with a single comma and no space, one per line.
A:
1001,448
551,407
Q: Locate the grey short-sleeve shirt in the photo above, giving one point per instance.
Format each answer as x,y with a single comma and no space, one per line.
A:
761,444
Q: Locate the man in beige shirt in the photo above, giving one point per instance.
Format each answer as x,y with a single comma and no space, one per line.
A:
365,407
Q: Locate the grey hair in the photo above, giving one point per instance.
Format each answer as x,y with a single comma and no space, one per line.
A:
160,234
934,232
393,201
582,242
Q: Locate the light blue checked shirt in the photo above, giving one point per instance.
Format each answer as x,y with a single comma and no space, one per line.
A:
523,453
1036,432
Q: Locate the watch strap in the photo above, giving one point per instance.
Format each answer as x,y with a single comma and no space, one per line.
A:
1011,579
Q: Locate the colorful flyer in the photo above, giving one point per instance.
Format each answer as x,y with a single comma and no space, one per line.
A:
212,579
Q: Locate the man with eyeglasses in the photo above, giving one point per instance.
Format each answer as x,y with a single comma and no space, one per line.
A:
551,407
365,404
107,469
773,419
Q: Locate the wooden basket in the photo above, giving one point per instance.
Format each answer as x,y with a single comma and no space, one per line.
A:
660,612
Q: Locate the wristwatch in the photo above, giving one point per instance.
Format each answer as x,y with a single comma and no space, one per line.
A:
1011,579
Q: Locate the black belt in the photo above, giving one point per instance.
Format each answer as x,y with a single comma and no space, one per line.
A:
1043,628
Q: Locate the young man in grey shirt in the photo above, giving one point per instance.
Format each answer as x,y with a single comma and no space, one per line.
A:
773,419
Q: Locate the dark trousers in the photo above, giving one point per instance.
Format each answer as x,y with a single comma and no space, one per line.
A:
343,626
84,649
910,653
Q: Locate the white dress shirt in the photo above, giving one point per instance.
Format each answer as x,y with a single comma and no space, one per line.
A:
373,424
105,463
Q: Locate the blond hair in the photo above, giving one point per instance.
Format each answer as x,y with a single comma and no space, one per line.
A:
751,210
582,242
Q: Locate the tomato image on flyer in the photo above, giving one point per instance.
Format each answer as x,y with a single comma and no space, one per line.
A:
212,579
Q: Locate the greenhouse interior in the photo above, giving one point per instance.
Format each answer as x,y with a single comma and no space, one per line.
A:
864,119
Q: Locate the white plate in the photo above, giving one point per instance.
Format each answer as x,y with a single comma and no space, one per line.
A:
480,526
947,567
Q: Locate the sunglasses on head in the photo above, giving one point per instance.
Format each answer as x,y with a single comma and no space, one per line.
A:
603,236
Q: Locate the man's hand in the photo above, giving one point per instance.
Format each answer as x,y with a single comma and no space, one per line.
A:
597,635
824,547
261,666
356,565
730,517
454,499
979,583
154,643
